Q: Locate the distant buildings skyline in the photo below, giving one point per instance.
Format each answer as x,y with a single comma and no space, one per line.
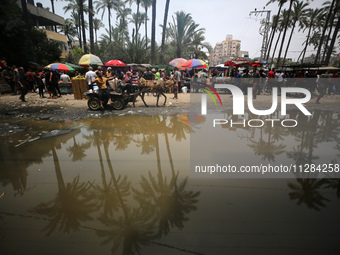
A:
227,50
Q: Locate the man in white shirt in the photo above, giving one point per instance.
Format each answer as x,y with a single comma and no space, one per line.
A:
90,76
65,78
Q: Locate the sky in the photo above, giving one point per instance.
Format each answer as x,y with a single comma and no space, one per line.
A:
218,17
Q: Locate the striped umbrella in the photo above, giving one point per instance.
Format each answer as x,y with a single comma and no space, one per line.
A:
177,62
60,67
90,59
195,63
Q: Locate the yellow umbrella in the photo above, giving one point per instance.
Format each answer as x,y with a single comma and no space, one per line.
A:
90,59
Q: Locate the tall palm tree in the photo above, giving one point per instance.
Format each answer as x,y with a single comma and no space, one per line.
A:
311,22
70,31
282,22
182,30
317,56
91,13
76,22
139,22
153,33
198,44
165,20
102,5
285,30
335,33
298,14
97,24
78,7
275,22
138,2
146,4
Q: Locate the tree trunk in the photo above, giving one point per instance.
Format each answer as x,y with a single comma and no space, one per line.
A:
277,42
137,18
328,36
91,26
331,46
164,28
273,32
323,33
146,27
285,31
290,38
109,13
153,32
81,9
307,41
80,40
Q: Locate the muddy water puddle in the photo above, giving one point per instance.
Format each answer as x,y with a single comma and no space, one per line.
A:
122,185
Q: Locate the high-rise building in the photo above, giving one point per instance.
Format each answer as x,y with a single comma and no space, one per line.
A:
226,50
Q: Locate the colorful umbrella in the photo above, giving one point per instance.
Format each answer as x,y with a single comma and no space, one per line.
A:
195,63
177,62
60,67
114,63
90,59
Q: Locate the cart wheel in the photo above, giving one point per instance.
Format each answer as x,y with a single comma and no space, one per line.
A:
93,104
118,104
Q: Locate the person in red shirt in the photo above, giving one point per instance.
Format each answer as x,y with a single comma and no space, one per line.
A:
271,79
30,80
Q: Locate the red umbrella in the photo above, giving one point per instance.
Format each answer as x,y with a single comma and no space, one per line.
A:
114,63
229,63
177,62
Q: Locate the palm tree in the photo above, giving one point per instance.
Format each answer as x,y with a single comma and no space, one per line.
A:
182,30
308,192
146,4
137,15
317,56
78,7
153,33
282,21
198,44
285,30
109,5
164,29
335,33
139,22
76,22
97,24
70,31
298,14
91,13
310,21
275,22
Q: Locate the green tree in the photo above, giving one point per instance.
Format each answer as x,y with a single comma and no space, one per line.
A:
165,20
102,5
181,31
70,31
298,14
97,24
146,4
153,33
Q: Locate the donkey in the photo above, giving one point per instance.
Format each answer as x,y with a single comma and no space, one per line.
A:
149,87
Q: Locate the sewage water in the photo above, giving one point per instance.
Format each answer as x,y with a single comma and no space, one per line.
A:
122,185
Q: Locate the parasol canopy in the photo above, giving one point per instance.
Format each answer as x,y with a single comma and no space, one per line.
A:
114,63
90,59
60,67
195,63
177,62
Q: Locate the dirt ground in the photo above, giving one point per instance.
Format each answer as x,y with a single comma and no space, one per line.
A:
67,108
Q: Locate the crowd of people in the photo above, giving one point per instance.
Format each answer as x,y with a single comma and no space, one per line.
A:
21,81
262,82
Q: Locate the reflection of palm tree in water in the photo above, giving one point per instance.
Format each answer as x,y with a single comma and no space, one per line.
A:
78,151
70,206
308,191
169,202
133,228
105,194
268,150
